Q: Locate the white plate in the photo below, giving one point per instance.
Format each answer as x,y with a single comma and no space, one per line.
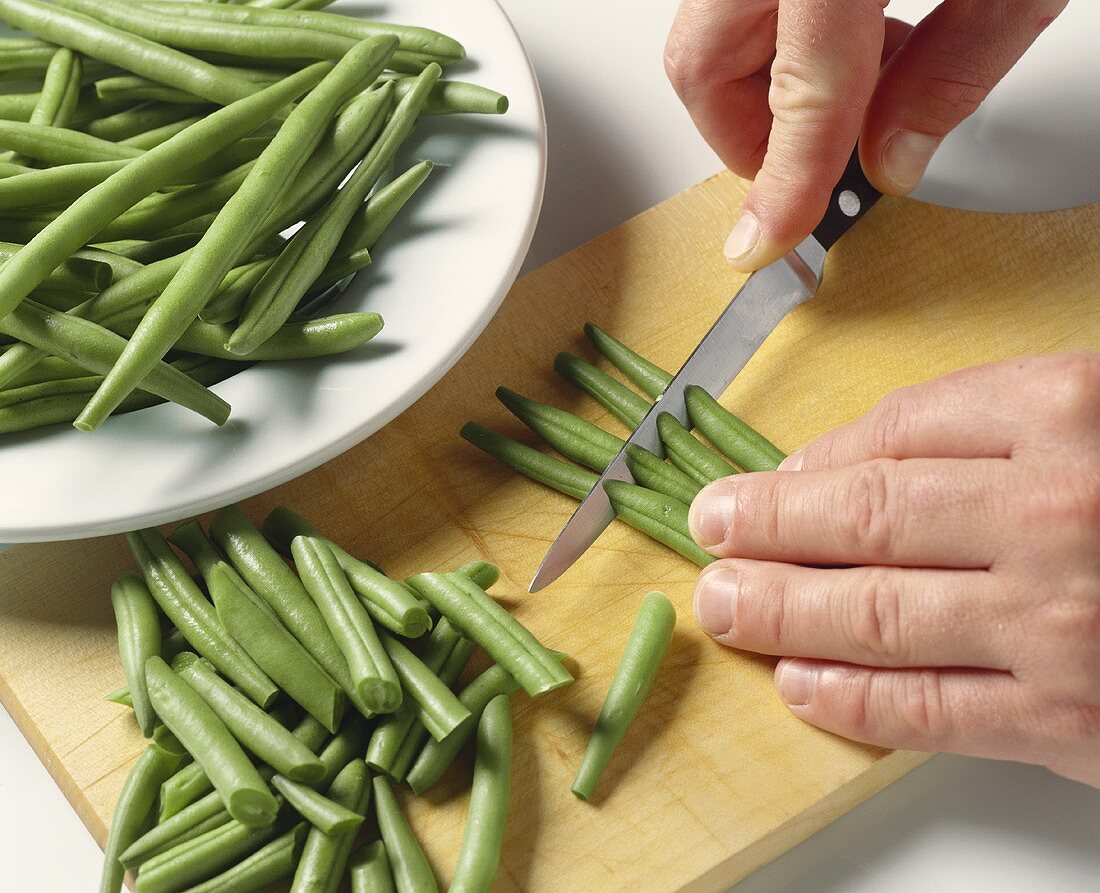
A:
438,277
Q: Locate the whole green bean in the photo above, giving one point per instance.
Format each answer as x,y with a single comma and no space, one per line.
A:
271,579
658,516
439,709
457,98
502,637
650,378
325,856
638,667
653,473
309,250
372,673
53,185
571,436
199,858
689,454
740,443
154,136
317,809
60,90
392,730
207,739
79,223
267,865
345,746
139,638
479,857
187,824
135,801
194,616
24,55
411,871
380,209
131,122
554,473
256,731
370,869
252,622
83,271
126,50
225,243
627,406
184,32
95,348
18,106
157,249
413,39
57,145
387,601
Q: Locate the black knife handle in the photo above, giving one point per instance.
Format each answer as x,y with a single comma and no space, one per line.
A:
851,199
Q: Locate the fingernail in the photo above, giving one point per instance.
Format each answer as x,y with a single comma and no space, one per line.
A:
792,463
714,602
906,156
795,683
743,238
711,513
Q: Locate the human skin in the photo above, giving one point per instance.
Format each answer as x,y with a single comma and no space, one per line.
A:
930,573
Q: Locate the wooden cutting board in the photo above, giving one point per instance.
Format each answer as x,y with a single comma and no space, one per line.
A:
716,777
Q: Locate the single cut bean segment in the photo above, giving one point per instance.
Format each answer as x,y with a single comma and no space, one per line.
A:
638,666
411,871
740,443
650,378
325,856
317,809
267,865
439,710
626,405
370,869
187,824
139,638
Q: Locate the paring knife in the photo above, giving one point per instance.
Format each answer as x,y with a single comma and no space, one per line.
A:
767,296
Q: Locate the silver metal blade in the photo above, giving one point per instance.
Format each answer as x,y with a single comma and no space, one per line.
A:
766,297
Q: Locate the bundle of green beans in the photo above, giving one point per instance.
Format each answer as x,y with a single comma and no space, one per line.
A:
283,697
657,503
180,139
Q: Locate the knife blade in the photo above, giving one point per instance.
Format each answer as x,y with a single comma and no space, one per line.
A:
755,310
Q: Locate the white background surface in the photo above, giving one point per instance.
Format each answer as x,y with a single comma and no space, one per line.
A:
618,144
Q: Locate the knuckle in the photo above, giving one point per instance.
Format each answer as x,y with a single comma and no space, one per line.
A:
960,87
1077,380
1071,626
921,708
888,423
772,621
868,508
876,626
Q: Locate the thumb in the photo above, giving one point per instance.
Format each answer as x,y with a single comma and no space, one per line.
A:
824,73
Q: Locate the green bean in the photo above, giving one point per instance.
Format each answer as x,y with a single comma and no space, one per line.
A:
439,709
18,106
270,863
414,40
131,122
257,732
417,735
274,582
135,802
154,136
23,55
57,145
653,473
252,622
225,243
79,223
638,667
392,730
202,856
309,250
370,870
194,616
479,857
139,638
317,809
183,789
187,824
687,453
345,746
484,573
740,443
325,856
554,473
628,407
485,622
571,436
157,249
657,516
95,348
120,696
60,91
207,739
82,271
172,644
457,98
650,378
411,871
387,601
126,50
372,673
53,185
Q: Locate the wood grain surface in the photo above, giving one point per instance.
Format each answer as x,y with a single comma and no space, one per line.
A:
716,778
